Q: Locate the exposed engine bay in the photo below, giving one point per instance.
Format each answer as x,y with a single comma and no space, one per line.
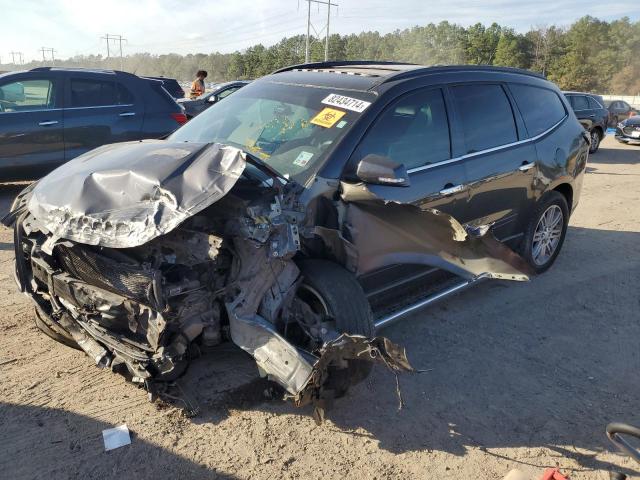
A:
134,263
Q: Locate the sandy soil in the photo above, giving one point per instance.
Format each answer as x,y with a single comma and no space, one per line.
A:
521,376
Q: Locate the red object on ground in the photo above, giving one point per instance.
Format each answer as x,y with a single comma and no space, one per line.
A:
553,474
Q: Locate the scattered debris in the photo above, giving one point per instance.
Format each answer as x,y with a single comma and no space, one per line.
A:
116,437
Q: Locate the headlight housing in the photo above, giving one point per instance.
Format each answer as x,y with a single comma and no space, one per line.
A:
621,125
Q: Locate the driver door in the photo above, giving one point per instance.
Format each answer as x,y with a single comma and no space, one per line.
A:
31,127
414,130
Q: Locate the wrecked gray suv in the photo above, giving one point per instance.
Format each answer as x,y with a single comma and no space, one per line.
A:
280,218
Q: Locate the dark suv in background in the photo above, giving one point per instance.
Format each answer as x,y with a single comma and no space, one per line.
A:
592,114
51,115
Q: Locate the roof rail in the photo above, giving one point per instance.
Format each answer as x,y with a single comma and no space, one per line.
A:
416,72
344,63
75,69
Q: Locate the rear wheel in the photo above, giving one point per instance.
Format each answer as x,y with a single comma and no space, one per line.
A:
596,138
330,298
545,232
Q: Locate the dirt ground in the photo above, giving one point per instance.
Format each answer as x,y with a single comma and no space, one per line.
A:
519,376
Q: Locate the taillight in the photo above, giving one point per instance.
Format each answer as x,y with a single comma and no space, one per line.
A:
181,118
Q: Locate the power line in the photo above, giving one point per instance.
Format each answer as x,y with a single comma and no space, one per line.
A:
117,38
310,25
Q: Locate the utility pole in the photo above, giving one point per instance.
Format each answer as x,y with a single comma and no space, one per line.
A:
45,50
329,4
119,39
13,58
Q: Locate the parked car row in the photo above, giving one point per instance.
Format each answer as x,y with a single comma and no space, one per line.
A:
50,115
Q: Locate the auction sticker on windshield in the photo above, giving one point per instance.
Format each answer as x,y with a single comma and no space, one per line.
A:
350,103
302,159
327,117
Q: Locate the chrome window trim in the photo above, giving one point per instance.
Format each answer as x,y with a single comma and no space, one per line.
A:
71,108
489,150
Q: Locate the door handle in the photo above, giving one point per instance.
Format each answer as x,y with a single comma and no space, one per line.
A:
452,190
592,115
51,122
128,114
526,166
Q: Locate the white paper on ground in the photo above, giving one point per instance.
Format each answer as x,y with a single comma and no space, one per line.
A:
116,437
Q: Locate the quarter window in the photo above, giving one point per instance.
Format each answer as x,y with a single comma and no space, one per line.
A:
541,108
593,103
414,131
27,95
486,116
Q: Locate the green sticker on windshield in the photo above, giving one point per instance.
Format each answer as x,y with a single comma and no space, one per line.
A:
341,123
302,159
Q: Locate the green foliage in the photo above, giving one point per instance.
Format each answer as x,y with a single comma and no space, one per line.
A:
590,55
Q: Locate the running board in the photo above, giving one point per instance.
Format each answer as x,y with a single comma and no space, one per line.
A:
428,300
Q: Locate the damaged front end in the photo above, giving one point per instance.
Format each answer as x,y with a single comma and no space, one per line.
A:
133,263
136,252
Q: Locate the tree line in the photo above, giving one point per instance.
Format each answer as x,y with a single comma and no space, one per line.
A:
590,55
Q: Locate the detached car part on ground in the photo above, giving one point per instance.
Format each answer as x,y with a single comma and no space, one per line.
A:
134,252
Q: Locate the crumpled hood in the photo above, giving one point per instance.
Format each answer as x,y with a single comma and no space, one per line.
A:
124,195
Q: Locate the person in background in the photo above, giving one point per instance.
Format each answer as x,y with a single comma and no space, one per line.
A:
197,87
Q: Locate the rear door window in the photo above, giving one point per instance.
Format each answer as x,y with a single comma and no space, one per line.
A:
486,116
93,93
413,130
26,95
540,108
124,96
579,102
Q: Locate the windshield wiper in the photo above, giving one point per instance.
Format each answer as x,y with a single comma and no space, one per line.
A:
265,167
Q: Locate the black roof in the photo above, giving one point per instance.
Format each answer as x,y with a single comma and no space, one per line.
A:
374,73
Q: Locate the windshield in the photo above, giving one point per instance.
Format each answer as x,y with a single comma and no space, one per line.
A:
287,126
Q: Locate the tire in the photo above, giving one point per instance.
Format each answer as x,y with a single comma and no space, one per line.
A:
596,138
347,304
551,203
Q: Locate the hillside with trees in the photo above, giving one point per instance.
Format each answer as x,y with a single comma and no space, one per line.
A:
589,55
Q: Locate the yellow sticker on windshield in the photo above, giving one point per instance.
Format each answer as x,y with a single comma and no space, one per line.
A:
327,117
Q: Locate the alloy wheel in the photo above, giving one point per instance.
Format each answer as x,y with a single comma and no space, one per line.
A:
547,235
595,140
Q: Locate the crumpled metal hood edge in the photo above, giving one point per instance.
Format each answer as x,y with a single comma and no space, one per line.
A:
126,194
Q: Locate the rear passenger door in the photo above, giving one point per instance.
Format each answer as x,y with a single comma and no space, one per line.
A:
499,167
414,130
99,110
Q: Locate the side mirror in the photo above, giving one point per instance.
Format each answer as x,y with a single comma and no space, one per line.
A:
212,99
381,170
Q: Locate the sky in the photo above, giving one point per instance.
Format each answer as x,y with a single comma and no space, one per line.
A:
73,27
